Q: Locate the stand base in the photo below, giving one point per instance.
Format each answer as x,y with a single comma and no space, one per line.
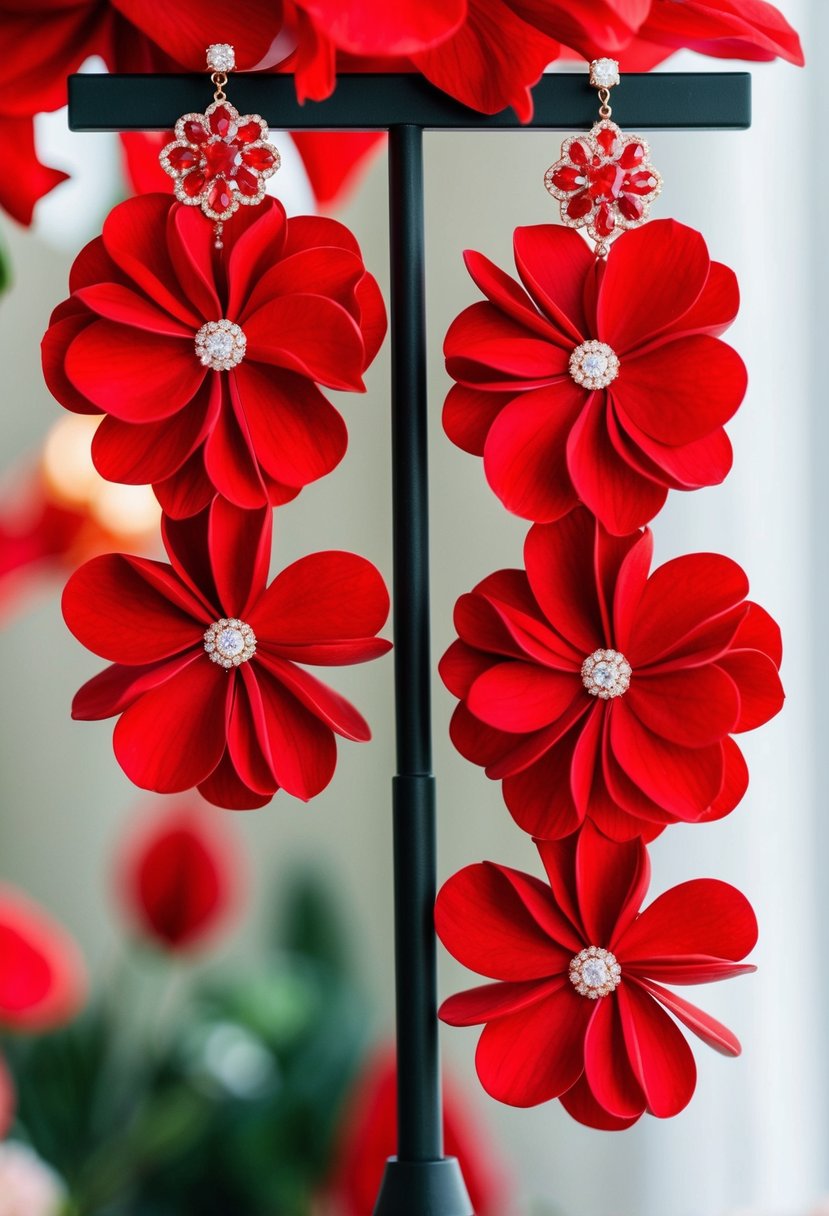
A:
423,1188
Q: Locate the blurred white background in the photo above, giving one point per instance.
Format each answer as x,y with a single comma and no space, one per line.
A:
753,1138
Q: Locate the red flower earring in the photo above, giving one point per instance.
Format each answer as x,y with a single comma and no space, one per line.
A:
220,159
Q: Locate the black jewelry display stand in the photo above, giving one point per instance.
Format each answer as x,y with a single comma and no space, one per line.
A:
419,1181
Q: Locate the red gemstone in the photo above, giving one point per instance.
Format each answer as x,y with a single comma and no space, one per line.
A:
568,178
249,132
606,182
632,156
222,158
219,197
639,183
606,139
247,182
258,158
194,132
220,121
579,205
578,153
630,207
193,183
604,221
182,158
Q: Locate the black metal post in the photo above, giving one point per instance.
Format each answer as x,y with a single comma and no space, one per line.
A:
419,1181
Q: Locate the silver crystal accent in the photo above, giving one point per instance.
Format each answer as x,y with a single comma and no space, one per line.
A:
230,642
221,57
594,365
604,73
606,674
594,972
220,345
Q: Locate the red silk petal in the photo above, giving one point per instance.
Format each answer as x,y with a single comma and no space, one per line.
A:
704,916
654,275
554,262
468,414
485,347
509,296
229,457
26,180
298,436
611,882
376,28
116,303
522,697
116,687
692,707
154,451
730,29
309,335
249,25
560,562
525,453
659,1055
239,544
247,736
490,1001
133,375
761,693
325,597
188,491
538,1053
225,788
303,749
539,798
758,631
485,924
56,341
607,1066
715,308
335,161
680,391
131,610
683,780
705,462
580,1103
702,1024
690,969
326,704
173,736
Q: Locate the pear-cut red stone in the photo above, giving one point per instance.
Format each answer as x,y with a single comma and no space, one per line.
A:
632,156
247,182
578,154
568,178
258,158
218,198
579,205
639,183
193,183
631,208
605,182
221,121
182,158
222,158
249,132
606,139
604,221
194,132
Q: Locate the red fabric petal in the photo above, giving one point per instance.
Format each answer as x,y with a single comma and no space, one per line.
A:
705,462
229,457
702,1024
510,297
153,451
225,788
310,335
560,559
326,704
607,1066
133,236
483,921
247,736
25,180
113,689
483,346
114,302
580,1103
375,28
525,456
653,276
683,780
490,1001
693,707
658,1053
336,161
758,631
248,25
756,678
173,736
522,697
131,610
729,29
188,491
539,798
536,1054
704,916
468,415
715,308
303,749
611,882
58,338
554,263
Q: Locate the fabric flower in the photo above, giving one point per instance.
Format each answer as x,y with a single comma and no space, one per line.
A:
206,673
578,1011
207,362
600,381
367,1137
594,690
725,29
180,876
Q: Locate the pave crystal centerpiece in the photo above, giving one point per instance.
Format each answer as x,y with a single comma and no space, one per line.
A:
221,57
594,365
595,972
606,674
230,642
604,73
221,345
220,160
604,181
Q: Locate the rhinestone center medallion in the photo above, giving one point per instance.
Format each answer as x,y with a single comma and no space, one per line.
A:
220,345
606,674
594,365
230,642
594,972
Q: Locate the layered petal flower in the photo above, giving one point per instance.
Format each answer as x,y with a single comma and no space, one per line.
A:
596,690
208,363
179,877
578,1010
42,976
209,663
597,381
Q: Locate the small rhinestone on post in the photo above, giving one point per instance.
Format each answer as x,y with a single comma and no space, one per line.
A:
604,73
594,365
606,674
221,57
221,345
230,642
594,972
